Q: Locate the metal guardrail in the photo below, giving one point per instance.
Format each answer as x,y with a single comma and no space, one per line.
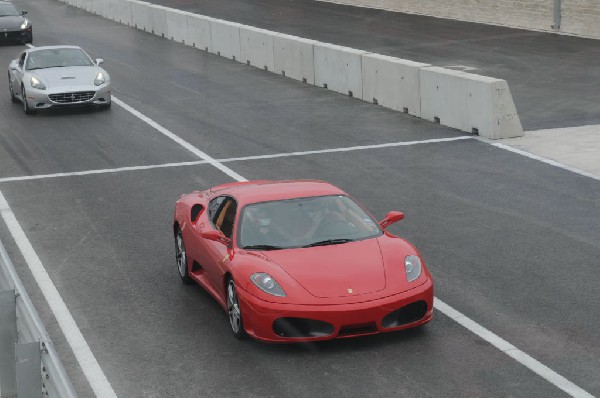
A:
33,348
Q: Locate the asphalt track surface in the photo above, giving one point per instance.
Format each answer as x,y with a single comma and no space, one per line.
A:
512,243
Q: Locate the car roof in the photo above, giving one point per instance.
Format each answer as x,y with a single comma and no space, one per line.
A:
264,190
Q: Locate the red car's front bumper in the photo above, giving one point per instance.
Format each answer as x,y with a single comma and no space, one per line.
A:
263,320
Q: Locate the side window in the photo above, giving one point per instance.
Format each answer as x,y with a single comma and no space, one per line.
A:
222,214
228,218
213,208
22,60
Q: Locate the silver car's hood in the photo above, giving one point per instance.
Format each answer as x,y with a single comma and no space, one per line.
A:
11,23
69,76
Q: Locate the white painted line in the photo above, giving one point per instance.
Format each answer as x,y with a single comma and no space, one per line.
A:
512,351
100,171
545,160
348,149
245,158
202,155
86,359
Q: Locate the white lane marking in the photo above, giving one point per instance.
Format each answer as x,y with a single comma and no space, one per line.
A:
512,351
101,171
518,355
202,155
82,351
545,160
257,157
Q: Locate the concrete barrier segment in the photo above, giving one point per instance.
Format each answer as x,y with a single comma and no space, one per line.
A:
225,38
158,20
256,47
468,102
140,14
199,32
87,5
109,11
294,57
123,14
392,82
98,6
177,26
339,69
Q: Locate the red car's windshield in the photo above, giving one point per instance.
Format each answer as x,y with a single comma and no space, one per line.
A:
304,222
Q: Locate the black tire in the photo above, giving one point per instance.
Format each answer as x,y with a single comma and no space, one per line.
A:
26,108
181,258
13,97
234,312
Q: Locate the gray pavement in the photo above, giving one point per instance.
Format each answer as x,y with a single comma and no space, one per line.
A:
512,242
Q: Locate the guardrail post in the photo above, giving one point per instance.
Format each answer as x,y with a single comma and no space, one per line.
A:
29,373
8,339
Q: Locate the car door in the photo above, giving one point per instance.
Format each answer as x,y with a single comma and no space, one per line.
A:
16,75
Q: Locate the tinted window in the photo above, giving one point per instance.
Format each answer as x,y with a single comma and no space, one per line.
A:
8,10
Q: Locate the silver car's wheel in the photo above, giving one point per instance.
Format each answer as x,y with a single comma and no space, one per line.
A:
26,107
234,312
13,97
181,258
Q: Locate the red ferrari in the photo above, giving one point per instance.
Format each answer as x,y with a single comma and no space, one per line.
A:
298,261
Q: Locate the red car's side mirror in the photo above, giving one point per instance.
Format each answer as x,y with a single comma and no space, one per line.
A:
390,218
217,236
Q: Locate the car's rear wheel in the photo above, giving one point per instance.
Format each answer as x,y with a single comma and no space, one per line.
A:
234,312
26,108
13,97
181,258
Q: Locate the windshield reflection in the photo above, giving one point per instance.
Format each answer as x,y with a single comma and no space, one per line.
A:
304,222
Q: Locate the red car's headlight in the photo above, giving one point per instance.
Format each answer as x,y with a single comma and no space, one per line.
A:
267,284
412,265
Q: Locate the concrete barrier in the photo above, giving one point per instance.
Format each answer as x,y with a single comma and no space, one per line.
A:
123,13
468,102
98,7
339,69
158,20
86,5
225,39
256,47
110,9
199,32
294,57
392,83
140,14
177,26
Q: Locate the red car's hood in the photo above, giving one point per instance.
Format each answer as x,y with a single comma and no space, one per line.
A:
342,270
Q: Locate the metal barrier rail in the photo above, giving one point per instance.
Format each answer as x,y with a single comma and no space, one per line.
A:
36,365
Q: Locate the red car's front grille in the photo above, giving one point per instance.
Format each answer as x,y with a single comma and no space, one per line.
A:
71,98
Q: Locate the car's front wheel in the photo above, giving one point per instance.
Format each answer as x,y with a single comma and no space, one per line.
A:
181,258
26,108
234,311
13,97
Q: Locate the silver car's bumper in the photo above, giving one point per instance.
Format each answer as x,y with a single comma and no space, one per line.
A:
68,96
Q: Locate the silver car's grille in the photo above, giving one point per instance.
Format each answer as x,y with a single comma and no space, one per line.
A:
70,98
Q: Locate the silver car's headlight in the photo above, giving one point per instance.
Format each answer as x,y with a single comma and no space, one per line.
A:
413,267
267,284
36,83
26,23
100,79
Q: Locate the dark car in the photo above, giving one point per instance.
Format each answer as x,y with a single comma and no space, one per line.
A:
13,24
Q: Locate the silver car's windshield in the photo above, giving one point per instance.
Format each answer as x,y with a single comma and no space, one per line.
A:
57,58
8,10
304,222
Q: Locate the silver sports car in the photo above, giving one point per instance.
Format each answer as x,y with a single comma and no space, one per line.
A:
55,76
13,24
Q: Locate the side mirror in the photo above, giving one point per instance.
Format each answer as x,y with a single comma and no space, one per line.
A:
24,12
99,61
216,236
390,218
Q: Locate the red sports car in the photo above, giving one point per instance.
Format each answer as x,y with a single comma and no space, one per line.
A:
299,261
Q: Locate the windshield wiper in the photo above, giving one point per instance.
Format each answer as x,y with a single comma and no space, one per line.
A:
329,242
263,247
